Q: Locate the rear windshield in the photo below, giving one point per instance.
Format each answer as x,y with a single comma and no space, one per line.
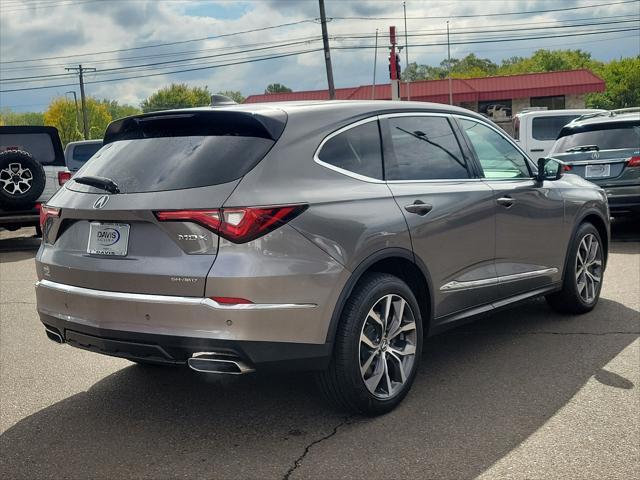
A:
605,137
82,153
548,128
174,151
173,163
39,145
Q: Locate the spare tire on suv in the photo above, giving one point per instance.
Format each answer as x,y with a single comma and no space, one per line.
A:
22,179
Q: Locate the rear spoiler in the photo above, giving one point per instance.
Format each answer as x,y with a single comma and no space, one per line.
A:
268,124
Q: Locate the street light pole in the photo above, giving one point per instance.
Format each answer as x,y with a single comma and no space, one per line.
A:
406,51
85,118
375,56
449,65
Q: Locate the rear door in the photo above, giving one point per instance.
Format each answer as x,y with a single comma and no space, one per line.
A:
181,163
450,214
530,232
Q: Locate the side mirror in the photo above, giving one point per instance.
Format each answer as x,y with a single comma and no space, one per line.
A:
549,169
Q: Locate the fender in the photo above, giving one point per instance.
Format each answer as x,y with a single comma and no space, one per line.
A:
580,219
357,273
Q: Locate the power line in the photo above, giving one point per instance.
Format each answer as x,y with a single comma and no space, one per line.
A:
213,37
499,14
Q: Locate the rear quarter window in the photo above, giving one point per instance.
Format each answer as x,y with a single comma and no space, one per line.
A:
356,150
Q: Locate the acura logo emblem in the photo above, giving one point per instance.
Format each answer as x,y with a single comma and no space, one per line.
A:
101,202
595,155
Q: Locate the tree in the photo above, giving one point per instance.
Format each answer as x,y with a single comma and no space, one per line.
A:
9,117
623,84
277,88
177,95
549,61
62,115
234,95
119,111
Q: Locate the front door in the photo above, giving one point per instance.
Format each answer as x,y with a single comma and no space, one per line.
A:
530,230
450,214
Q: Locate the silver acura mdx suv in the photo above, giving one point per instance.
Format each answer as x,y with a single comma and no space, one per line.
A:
328,236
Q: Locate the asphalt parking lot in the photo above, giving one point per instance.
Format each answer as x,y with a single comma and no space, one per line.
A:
525,393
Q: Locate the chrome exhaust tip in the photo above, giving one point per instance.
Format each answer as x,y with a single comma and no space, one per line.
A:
217,362
53,335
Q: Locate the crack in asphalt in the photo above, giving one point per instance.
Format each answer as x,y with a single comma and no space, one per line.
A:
298,461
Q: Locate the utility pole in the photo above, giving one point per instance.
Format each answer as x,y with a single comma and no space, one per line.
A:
327,53
85,120
375,56
449,65
406,51
75,100
393,66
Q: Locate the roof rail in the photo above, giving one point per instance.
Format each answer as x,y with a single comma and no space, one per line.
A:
591,115
625,110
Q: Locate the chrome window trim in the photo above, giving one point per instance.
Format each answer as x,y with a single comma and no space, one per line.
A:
486,282
166,299
503,134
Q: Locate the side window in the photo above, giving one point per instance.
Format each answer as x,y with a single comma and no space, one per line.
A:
357,150
425,148
498,158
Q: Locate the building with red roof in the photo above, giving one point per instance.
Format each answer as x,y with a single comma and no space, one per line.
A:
498,96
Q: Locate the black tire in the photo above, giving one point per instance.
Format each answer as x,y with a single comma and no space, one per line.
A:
22,180
569,299
342,383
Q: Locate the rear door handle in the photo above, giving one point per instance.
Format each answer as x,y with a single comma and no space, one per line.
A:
537,149
506,201
419,208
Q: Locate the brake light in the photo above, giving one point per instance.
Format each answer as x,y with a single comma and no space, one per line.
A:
47,212
231,300
634,161
238,225
566,168
63,177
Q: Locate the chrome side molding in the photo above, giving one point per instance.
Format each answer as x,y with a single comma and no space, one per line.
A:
486,282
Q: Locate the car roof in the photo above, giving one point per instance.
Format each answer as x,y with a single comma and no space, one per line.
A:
554,113
605,117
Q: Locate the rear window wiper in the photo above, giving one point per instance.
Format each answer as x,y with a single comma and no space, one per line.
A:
583,148
99,182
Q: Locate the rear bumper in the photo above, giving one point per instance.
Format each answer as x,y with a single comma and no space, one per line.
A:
261,333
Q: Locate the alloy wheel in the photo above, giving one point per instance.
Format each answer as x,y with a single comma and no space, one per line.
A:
588,268
387,347
16,179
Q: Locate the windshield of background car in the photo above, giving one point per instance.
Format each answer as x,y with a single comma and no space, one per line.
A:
177,152
82,153
39,145
606,136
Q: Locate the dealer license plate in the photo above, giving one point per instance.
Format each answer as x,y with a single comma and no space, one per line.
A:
596,171
108,239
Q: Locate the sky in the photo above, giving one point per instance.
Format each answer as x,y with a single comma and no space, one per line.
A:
119,34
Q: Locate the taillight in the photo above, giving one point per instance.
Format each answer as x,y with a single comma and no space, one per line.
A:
634,162
566,168
238,225
63,177
47,212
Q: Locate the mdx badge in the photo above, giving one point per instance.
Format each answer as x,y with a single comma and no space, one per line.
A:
101,202
192,237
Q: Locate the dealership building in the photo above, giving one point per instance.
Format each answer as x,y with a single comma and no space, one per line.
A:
499,97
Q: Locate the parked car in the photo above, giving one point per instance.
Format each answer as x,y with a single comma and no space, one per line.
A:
77,153
327,236
537,130
604,148
32,168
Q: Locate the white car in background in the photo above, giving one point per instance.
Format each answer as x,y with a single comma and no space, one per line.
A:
536,130
77,153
